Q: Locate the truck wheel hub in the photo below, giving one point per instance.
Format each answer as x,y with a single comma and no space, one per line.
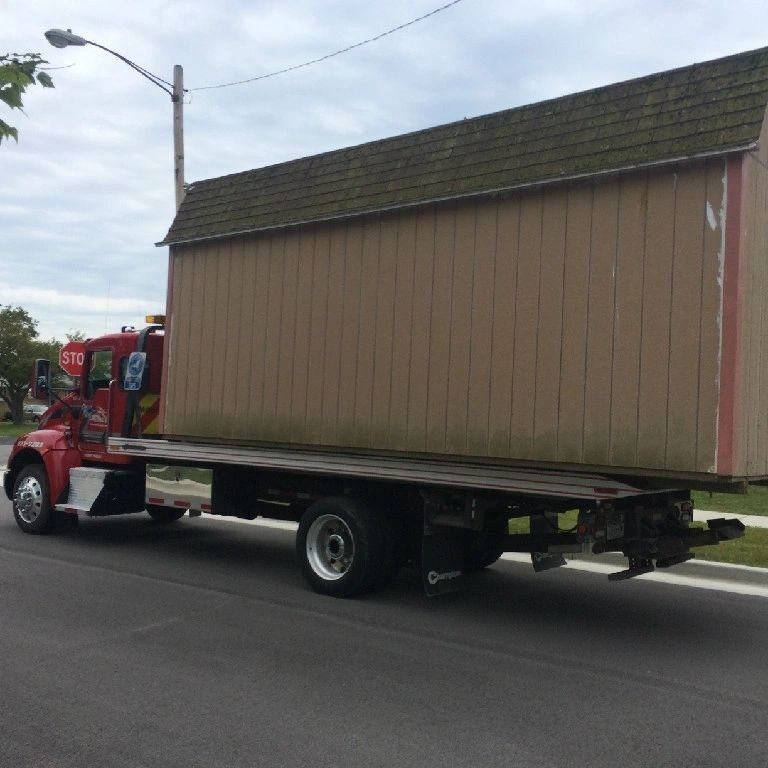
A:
334,549
330,547
29,499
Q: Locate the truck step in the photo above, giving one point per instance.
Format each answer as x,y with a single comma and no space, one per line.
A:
727,529
85,485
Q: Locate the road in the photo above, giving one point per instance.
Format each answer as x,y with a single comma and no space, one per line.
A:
126,644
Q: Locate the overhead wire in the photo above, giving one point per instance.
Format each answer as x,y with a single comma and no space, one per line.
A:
330,55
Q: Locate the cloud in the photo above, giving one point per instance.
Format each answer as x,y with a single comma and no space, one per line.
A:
88,190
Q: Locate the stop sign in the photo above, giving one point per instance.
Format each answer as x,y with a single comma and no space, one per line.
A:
71,357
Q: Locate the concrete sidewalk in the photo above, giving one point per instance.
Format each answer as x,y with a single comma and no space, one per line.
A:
751,521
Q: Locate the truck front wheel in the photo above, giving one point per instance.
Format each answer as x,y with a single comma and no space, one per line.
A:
31,500
344,546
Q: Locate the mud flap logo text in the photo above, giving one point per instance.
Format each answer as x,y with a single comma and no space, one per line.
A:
433,577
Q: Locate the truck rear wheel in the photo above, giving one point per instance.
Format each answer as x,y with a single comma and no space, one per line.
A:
31,500
344,547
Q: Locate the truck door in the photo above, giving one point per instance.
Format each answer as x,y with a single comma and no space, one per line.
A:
94,426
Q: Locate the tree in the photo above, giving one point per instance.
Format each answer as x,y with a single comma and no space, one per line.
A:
17,72
19,348
18,332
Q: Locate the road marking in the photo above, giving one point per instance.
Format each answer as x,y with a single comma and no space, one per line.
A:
677,579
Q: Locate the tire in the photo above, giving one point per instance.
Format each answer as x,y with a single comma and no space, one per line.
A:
32,508
483,548
165,515
345,547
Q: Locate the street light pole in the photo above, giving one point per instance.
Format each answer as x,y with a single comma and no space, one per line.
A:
178,132
60,38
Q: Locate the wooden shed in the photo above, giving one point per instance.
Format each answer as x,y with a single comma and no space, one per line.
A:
581,281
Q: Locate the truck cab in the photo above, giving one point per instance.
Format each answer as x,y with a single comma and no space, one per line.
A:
110,400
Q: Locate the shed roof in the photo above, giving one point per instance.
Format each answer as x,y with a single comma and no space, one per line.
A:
709,108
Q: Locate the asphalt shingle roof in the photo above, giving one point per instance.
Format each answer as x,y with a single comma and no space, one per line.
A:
709,108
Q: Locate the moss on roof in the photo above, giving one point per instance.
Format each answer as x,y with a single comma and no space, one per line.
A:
709,108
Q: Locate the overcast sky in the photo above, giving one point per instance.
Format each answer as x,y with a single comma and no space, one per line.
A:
88,190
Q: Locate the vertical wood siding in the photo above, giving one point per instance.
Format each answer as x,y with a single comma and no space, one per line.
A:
576,324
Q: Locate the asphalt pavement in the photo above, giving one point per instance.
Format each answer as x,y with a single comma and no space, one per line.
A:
124,643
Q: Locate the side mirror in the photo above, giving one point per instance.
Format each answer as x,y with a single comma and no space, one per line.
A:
41,379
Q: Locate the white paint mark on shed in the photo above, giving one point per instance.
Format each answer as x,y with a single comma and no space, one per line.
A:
711,218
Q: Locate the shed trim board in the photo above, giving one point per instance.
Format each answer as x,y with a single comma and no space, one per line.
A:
731,345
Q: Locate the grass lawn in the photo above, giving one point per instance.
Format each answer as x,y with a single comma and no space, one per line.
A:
751,549
12,430
753,503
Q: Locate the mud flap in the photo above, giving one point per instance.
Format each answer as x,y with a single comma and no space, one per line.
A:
442,559
543,525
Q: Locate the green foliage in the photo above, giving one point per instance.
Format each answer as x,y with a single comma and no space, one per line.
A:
18,333
19,348
17,72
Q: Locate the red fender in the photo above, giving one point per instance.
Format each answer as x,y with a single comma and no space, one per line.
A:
51,447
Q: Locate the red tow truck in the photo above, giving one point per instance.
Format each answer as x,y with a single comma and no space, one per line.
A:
97,452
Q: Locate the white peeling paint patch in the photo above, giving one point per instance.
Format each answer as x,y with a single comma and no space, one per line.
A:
711,218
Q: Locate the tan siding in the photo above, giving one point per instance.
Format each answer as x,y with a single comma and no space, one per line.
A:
461,328
350,334
287,337
401,335
503,342
195,350
318,334
385,318
600,324
574,324
366,338
685,319
657,299
235,390
578,245
178,359
256,321
526,331
478,405
625,373
550,325
440,324
334,350
270,424
418,383
302,334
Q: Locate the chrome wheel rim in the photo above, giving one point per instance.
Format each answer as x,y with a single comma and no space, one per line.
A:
330,547
29,499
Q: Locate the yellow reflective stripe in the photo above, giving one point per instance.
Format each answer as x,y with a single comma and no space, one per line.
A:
149,408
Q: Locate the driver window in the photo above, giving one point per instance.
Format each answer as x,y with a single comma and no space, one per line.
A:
100,373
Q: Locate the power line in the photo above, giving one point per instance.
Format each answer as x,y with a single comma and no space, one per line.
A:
331,55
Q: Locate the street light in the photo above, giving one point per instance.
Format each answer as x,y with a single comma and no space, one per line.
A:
61,38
